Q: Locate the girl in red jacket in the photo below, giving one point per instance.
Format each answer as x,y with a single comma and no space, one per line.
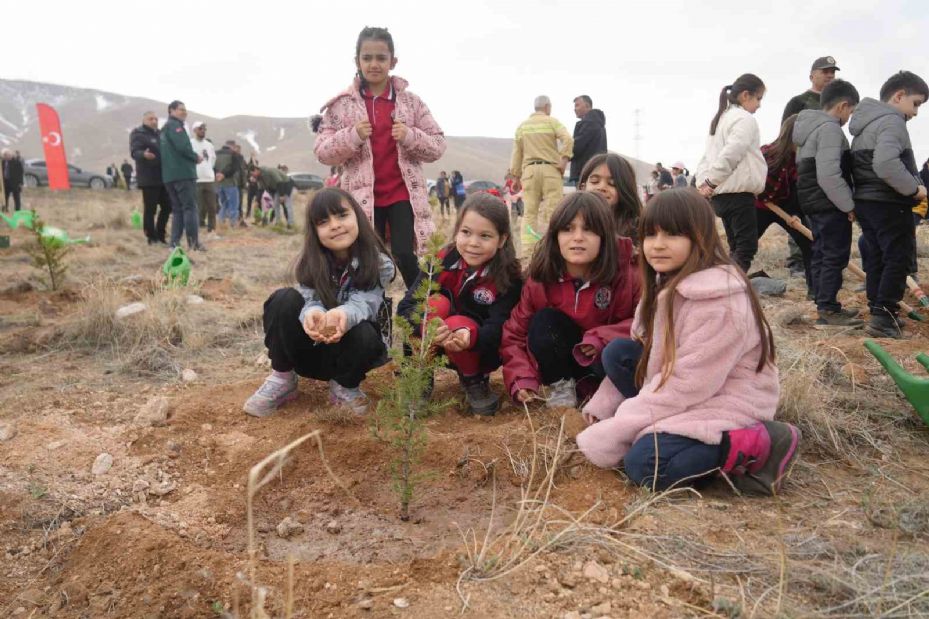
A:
479,284
581,293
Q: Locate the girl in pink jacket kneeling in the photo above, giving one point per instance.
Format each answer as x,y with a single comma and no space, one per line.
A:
696,390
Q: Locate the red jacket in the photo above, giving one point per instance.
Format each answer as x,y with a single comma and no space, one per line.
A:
604,312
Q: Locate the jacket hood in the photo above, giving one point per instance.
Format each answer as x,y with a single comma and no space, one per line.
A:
712,283
809,121
595,116
399,84
868,111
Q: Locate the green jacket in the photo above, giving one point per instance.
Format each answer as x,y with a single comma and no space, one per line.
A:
271,179
228,163
178,159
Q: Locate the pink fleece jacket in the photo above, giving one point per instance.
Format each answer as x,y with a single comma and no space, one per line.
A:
337,143
713,387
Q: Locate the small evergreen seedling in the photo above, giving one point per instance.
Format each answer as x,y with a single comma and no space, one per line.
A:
401,414
48,254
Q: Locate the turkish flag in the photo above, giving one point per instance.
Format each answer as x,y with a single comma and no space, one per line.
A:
53,143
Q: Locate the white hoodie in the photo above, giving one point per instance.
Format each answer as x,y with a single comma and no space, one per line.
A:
205,149
733,162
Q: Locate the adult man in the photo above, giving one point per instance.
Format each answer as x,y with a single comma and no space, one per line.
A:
242,180
280,186
12,180
665,178
589,135
821,73
441,192
126,169
179,173
145,150
228,167
206,178
539,163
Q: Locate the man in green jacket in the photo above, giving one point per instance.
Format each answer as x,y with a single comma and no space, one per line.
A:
179,174
281,188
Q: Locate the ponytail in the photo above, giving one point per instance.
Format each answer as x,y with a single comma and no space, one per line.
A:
729,95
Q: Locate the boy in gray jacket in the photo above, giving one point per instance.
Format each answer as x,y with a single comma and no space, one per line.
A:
825,195
887,187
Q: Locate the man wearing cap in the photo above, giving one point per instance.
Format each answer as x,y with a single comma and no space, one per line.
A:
821,73
228,167
179,173
539,163
206,178
145,149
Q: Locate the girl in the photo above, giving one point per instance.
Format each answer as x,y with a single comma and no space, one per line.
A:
479,284
705,388
458,189
335,172
325,328
613,177
381,134
732,171
780,189
581,293
680,174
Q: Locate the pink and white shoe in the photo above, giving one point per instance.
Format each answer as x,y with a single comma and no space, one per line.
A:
354,400
273,393
760,456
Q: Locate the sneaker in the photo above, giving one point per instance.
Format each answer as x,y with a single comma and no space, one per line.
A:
798,273
561,393
885,325
199,247
481,399
759,456
354,399
273,393
839,318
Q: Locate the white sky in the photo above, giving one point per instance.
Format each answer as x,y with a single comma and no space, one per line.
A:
477,64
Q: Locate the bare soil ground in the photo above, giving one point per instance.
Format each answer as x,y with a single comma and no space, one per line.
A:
162,532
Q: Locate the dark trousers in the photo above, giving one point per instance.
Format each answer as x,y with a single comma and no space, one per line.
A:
444,208
678,458
183,195
551,339
914,263
396,222
15,191
207,205
832,245
737,210
459,201
291,349
241,199
889,246
253,193
153,199
804,246
620,358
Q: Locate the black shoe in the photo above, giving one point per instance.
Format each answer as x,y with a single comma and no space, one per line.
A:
840,318
199,247
885,325
481,399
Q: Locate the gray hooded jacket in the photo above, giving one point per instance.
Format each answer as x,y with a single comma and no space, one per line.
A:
823,167
884,166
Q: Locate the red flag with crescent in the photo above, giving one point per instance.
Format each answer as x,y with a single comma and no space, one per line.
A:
55,160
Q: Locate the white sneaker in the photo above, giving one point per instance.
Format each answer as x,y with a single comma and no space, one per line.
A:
354,400
273,393
562,394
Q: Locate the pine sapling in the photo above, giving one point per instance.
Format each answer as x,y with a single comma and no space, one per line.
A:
48,254
400,419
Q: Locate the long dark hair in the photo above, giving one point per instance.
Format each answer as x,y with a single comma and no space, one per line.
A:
782,150
504,267
685,212
626,212
548,265
314,268
747,82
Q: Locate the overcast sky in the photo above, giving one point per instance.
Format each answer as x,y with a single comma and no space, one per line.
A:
477,64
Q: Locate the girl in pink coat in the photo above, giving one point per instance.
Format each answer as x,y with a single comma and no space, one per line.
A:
695,391
381,133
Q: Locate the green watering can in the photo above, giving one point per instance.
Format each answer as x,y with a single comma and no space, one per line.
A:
136,219
915,389
20,218
177,268
60,236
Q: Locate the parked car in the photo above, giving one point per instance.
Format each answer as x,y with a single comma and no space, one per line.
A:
35,174
304,181
475,186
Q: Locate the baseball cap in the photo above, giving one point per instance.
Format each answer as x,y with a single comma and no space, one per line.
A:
826,62
198,124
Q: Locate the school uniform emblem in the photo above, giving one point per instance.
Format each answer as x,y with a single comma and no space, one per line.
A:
602,298
484,296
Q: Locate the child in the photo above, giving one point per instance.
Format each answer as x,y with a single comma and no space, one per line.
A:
581,293
333,179
887,187
680,175
479,285
613,177
732,170
325,328
381,134
825,195
458,189
706,386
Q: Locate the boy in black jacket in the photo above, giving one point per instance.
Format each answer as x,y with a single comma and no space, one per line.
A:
887,187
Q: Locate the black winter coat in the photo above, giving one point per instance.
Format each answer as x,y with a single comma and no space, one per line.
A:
13,173
589,140
147,171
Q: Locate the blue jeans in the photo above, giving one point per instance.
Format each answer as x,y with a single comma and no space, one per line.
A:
678,458
183,195
620,358
228,203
